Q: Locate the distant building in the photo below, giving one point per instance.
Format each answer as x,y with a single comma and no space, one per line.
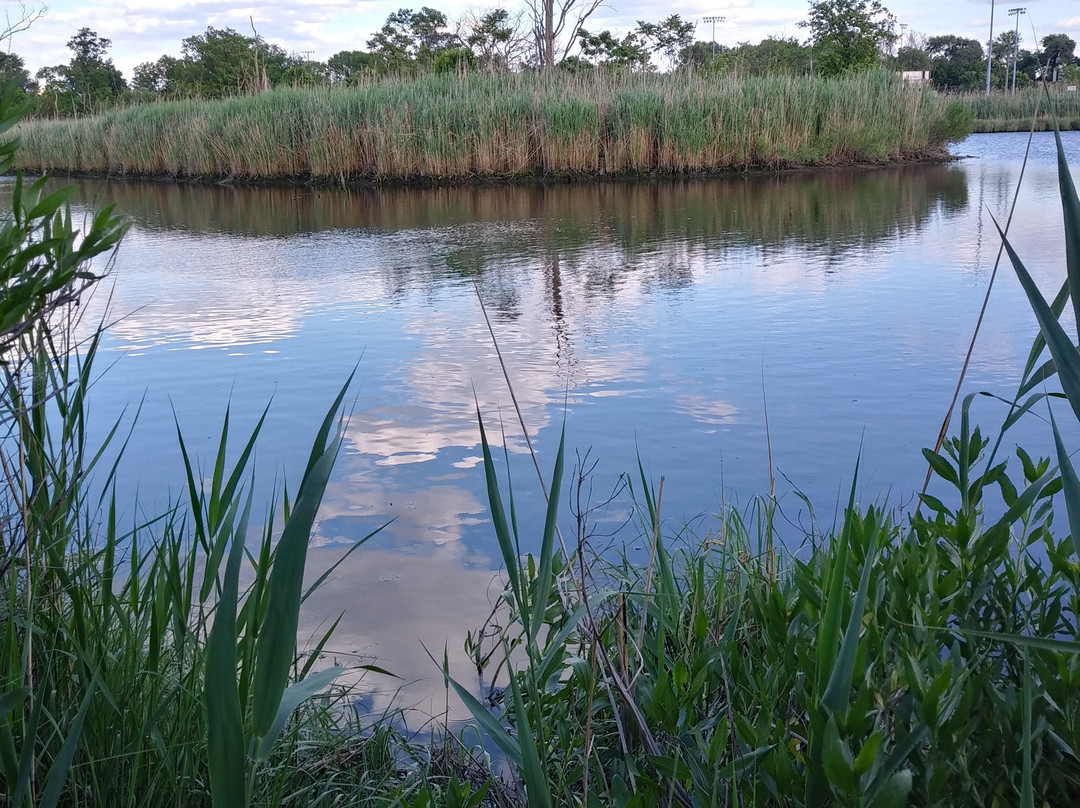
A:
916,76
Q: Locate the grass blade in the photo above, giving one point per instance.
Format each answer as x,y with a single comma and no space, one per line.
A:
547,546
224,720
277,638
1063,351
1070,208
1070,486
837,694
58,772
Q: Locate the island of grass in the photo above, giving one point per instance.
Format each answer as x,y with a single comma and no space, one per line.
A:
451,128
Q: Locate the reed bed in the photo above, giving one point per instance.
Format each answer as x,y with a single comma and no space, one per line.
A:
447,127
1016,112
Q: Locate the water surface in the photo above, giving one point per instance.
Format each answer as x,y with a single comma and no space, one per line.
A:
657,320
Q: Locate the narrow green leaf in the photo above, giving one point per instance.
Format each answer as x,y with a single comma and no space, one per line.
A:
502,529
1038,643
276,644
333,567
837,760
1070,208
894,793
58,771
1070,486
829,633
12,700
490,725
942,467
295,695
1027,792
838,693
547,545
231,484
49,205
1064,352
536,785
226,756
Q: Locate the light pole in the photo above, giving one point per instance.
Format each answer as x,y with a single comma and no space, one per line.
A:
1016,39
714,21
990,48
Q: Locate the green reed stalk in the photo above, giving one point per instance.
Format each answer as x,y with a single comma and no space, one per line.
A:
449,127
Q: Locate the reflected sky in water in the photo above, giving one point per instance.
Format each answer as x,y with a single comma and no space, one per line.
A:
653,319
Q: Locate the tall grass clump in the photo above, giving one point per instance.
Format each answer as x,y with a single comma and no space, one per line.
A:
151,660
453,128
931,659
1017,112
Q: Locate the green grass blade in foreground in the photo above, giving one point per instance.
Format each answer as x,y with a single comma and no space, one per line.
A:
536,785
1061,348
276,644
58,771
502,530
1070,486
838,693
1027,793
488,723
295,695
829,634
547,546
1032,377
1070,207
224,721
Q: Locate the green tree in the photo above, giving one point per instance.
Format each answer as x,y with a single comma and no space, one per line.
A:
1003,57
848,35
773,56
489,38
13,69
698,55
909,58
412,38
1061,44
956,63
217,63
669,37
454,60
605,50
88,82
349,66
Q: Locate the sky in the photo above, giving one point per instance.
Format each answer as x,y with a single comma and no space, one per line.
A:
143,30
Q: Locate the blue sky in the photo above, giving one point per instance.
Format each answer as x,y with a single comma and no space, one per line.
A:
143,30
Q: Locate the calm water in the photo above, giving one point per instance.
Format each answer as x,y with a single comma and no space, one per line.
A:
654,320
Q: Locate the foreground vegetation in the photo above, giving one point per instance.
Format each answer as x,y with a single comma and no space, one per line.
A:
448,127
922,660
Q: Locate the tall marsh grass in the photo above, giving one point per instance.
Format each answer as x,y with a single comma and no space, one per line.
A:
1015,112
447,127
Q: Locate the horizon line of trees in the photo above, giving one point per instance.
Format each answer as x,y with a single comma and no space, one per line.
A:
845,36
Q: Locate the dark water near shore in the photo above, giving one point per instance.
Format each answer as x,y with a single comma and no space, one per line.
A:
655,320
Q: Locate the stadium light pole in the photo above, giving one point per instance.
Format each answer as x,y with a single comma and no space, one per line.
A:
1016,39
714,21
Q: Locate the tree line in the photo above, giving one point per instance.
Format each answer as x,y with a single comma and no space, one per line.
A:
844,36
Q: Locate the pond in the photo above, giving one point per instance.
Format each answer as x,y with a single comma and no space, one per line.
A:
722,332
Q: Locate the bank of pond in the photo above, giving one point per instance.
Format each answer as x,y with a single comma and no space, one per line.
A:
447,128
